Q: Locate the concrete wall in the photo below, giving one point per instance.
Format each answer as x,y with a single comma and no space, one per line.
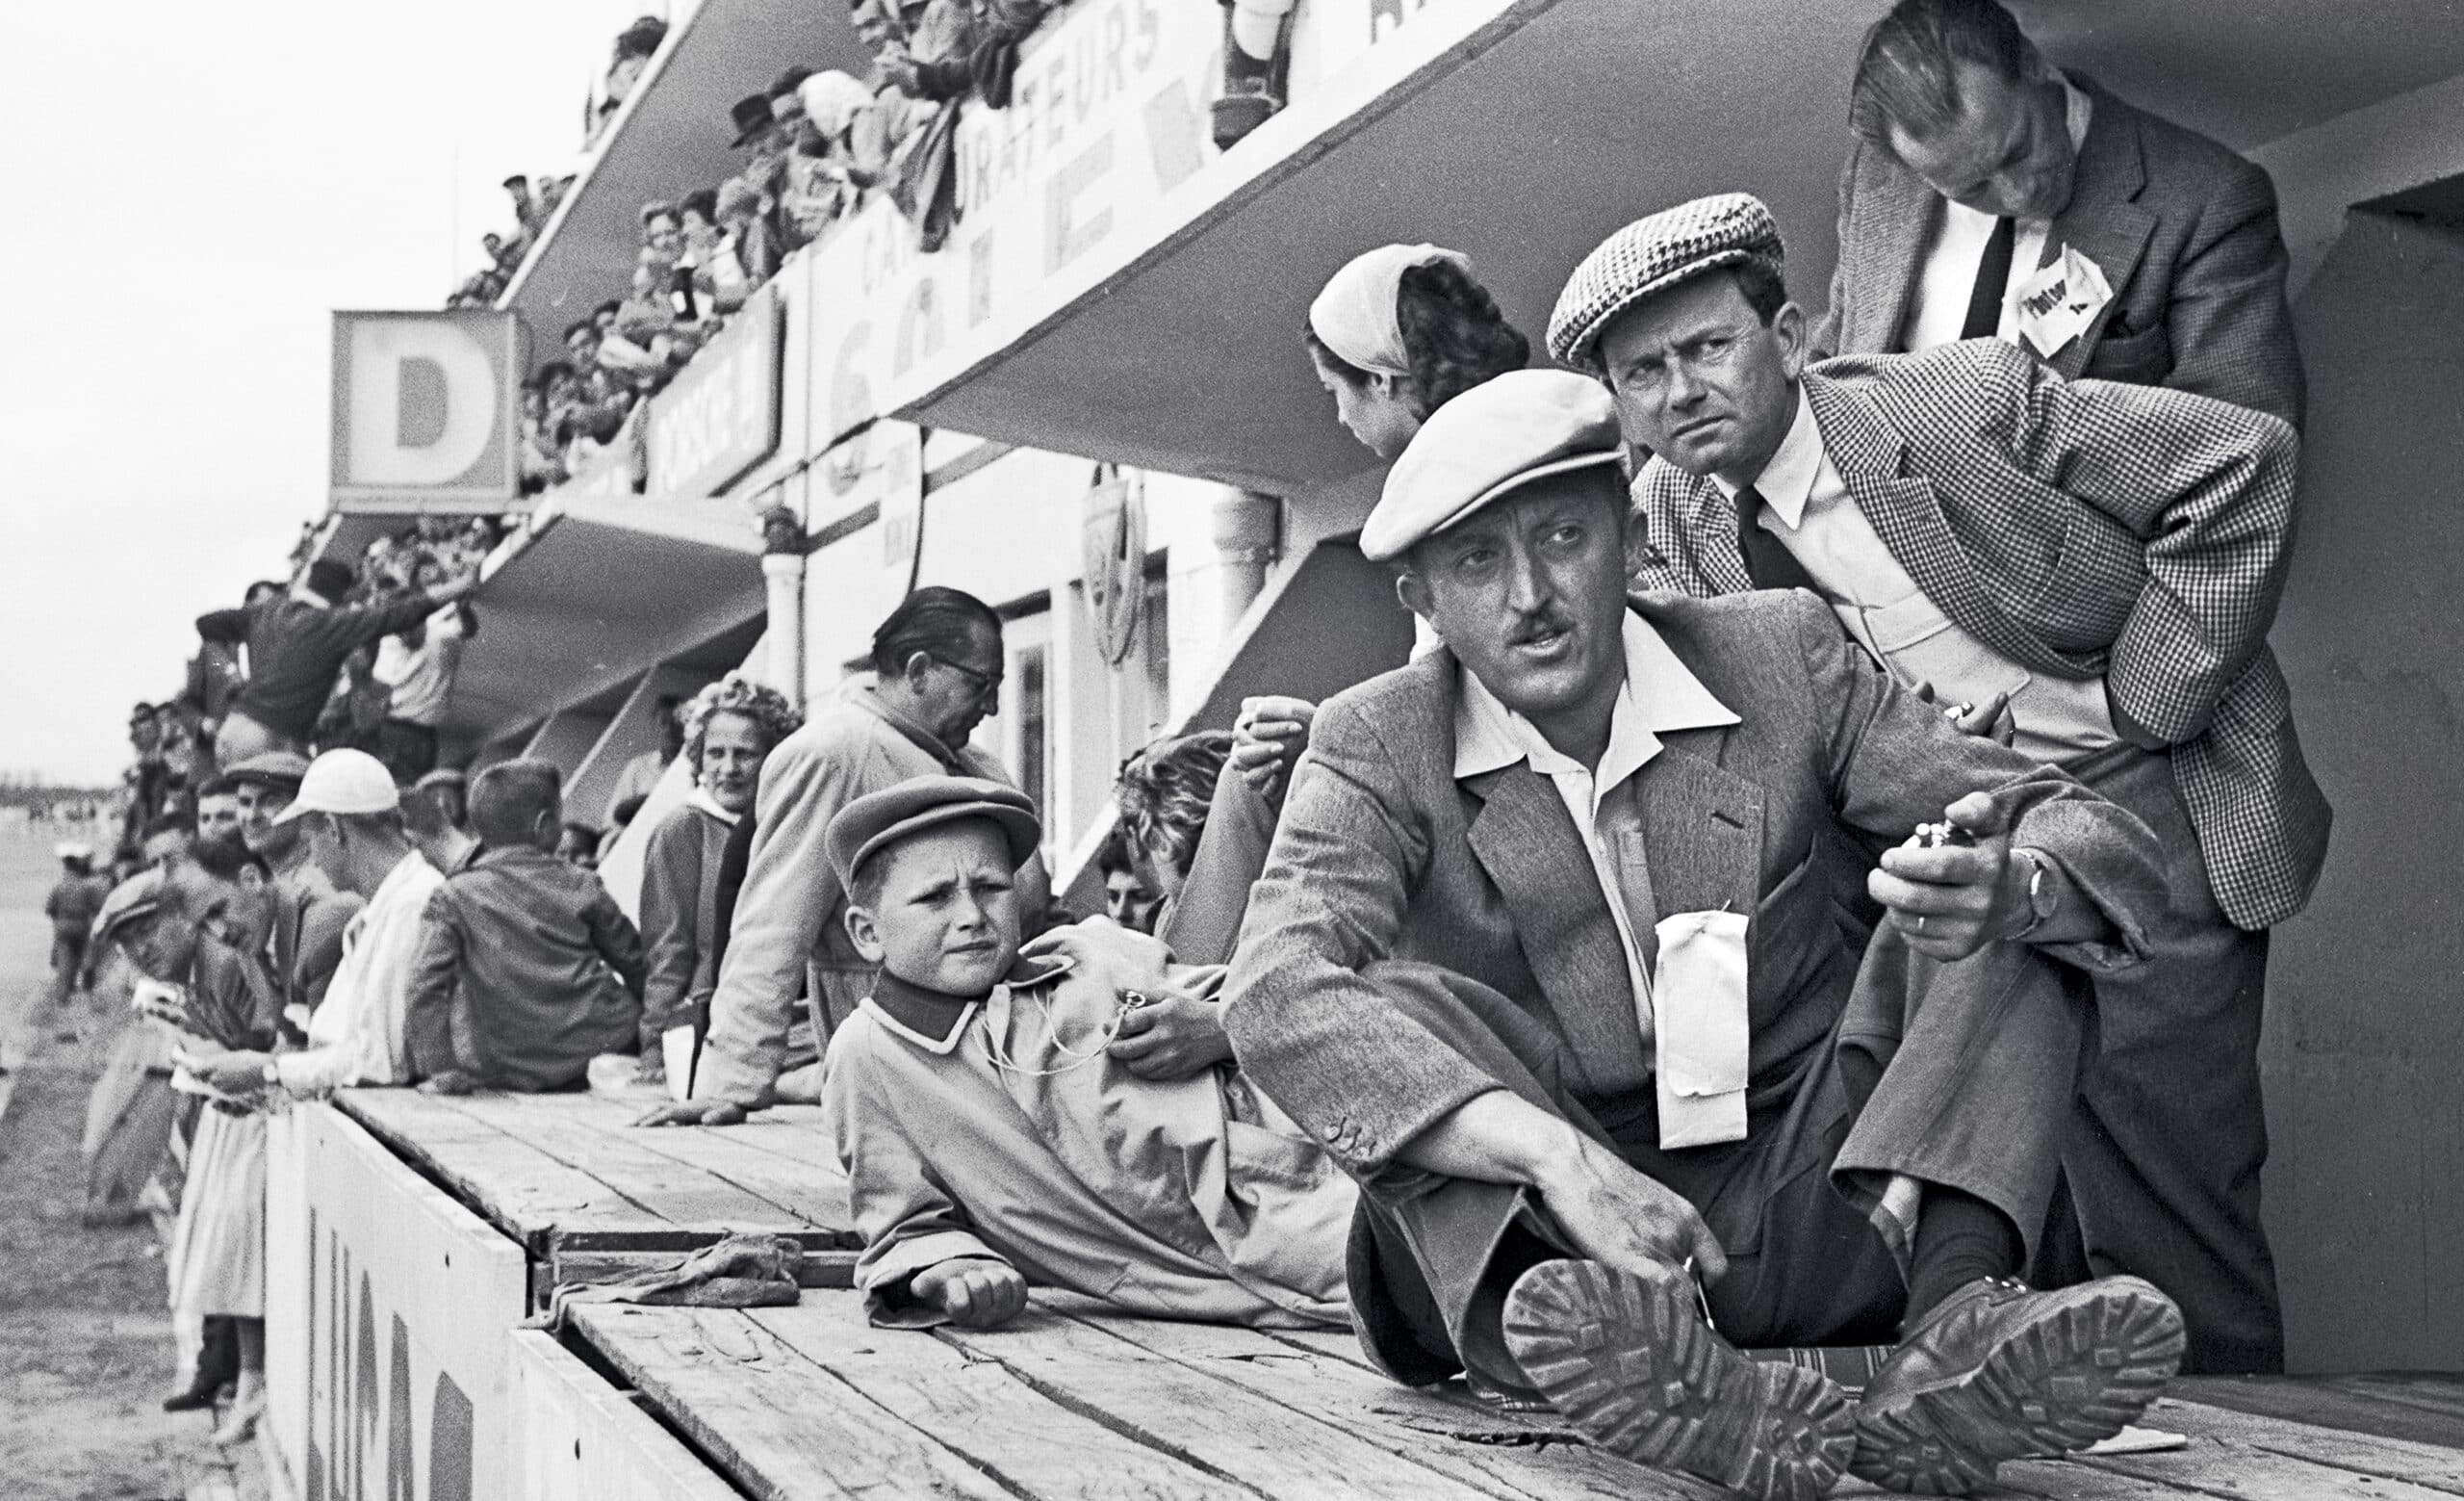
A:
2364,1052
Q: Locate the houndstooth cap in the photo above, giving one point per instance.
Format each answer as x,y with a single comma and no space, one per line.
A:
1652,256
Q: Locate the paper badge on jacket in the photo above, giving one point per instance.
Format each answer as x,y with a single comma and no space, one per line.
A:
1703,1030
2058,304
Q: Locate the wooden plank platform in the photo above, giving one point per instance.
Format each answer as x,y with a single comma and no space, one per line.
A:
1072,1401
589,1195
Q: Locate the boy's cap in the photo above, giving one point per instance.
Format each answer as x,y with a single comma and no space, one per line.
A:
344,781
877,820
273,768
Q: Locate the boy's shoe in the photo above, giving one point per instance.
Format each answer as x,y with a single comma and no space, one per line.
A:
1997,1371
1630,1364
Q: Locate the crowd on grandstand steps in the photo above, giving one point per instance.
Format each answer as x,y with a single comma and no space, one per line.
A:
1764,911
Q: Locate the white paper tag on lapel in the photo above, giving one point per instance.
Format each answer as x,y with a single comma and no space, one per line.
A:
2058,304
1703,1030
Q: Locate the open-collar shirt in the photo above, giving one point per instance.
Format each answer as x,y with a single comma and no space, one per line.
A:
1658,694
357,1034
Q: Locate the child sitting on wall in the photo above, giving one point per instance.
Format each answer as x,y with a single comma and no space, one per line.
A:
991,1140
527,970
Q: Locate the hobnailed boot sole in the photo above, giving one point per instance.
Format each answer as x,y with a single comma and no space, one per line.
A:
1632,1366
2078,1373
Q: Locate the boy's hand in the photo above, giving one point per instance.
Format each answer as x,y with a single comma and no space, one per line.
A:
975,1293
696,1112
1171,1037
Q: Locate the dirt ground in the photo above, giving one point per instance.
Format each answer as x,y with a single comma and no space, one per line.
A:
85,1340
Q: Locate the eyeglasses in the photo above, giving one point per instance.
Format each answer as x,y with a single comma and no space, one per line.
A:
986,684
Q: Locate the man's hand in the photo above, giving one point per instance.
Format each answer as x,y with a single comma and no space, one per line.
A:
1953,899
1991,720
1613,1214
975,1293
452,1081
232,1073
1269,735
696,1112
451,589
1171,1037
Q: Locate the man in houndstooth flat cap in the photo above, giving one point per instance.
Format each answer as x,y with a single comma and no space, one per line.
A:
2088,569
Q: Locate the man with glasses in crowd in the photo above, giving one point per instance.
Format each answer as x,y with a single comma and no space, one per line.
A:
938,665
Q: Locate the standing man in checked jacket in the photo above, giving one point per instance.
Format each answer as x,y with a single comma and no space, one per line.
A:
2092,565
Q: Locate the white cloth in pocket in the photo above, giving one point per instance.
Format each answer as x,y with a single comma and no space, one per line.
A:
1704,1028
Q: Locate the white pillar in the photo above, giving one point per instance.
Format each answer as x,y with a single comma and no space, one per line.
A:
1213,586
784,575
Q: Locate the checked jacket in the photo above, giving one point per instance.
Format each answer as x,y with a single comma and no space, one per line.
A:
2082,530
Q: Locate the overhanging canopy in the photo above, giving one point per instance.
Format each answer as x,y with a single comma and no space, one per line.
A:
1543,126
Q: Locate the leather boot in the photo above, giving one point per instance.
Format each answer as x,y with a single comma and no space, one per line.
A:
1997,1371
1632,1364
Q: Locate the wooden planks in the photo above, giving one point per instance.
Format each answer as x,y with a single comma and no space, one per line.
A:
1073,1400
572,1172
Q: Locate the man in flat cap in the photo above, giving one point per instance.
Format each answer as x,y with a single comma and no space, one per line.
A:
2102,561
1988,195
1545,952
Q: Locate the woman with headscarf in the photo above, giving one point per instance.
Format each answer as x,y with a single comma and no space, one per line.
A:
730,728
1401,332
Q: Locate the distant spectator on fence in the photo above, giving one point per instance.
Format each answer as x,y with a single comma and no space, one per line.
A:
435,809
417,667
72,905
698,214
296,645
527,209
635,45
526,968
354,819
729,729
744,214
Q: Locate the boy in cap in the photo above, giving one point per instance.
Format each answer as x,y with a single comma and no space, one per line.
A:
2094,563
527,970
1545,952
989,1137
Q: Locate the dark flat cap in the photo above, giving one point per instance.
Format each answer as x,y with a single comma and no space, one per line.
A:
273,768
877,820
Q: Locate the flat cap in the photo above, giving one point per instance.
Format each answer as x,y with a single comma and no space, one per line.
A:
877,820
136,897
1489,442
1653,255
273,768
441,776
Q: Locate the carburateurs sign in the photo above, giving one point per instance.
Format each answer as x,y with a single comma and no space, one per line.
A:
427,410
721,416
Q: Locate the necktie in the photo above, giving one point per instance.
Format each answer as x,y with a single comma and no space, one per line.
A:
1992,276
1768,562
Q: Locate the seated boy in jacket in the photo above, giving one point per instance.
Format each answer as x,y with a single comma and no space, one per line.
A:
991,1141
527,970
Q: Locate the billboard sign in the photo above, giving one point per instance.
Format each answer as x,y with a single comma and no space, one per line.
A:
427,411
720,416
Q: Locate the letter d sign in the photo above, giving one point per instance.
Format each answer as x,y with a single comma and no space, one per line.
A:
425,411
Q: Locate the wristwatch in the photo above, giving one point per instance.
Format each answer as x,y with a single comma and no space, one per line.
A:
2040,900
273,1074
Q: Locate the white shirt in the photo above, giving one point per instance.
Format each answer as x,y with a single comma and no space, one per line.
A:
1806,506
1659,693
356,1035
422,676
1946,278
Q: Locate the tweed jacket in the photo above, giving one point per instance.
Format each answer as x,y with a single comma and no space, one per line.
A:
2081,530
1382,854
2183,228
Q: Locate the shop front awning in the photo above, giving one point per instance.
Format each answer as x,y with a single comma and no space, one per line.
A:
1523,132
671,137
606,588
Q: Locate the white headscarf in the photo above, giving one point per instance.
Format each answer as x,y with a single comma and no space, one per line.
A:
1354,315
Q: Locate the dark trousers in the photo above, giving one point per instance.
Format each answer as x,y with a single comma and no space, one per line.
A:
408,750
2162,1161
68,963
1958,1074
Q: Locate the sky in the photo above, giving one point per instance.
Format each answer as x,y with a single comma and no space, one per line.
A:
195,188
